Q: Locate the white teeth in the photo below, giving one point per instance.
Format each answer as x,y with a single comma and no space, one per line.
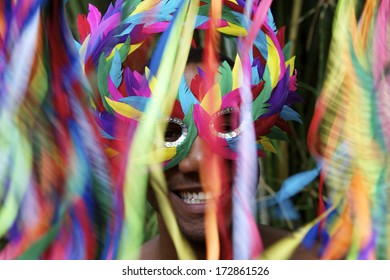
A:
195,198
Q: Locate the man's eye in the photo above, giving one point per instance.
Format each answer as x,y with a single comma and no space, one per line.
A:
175,133
226,123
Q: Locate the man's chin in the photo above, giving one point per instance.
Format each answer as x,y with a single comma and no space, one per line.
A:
193,236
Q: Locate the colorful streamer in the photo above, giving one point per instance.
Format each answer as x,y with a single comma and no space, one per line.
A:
349,134
86,134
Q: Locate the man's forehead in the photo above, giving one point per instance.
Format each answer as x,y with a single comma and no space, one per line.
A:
191,70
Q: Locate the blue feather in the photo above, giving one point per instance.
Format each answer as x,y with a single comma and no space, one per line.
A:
296,183
287,210
201,20
77,44
116,69
138,102
311,237
233,143
262,44
76,250
255,75
159,51
186,97
271,22
293,185
289,114
127,31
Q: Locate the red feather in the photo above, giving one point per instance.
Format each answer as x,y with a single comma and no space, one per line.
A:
197,87
257,89
83,27
280,36
233,6
263,125
283,125
177,110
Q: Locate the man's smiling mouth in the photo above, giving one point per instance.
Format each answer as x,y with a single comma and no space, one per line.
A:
195,197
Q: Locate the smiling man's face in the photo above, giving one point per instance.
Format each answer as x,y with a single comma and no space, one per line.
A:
186,193
188,197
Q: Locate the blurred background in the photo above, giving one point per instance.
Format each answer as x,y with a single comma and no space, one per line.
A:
308,28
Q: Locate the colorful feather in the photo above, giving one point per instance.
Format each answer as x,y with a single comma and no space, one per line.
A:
348,132
198,104
81,147
54,164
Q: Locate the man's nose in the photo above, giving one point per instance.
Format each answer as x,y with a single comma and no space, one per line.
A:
192,162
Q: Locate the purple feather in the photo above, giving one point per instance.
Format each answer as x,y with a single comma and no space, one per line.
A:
279,95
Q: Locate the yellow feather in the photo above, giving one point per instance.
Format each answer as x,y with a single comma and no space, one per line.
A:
212,100
291,63
267,145
152,81
116,48
136,179
135,47
158,156
237,73
124,109
93,106
283,249
233,30
144,6
119,46
185,251
273,62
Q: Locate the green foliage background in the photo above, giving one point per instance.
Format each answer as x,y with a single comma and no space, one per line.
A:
309,28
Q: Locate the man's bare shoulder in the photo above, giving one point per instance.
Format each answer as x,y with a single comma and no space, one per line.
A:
150,250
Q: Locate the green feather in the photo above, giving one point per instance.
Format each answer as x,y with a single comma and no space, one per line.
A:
36,250
287,51
103,72
277,134
226,78
260,103
184,148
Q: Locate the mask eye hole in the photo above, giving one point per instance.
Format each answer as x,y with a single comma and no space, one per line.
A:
226,123
175,132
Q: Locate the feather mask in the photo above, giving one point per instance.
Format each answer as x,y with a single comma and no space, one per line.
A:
125,93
